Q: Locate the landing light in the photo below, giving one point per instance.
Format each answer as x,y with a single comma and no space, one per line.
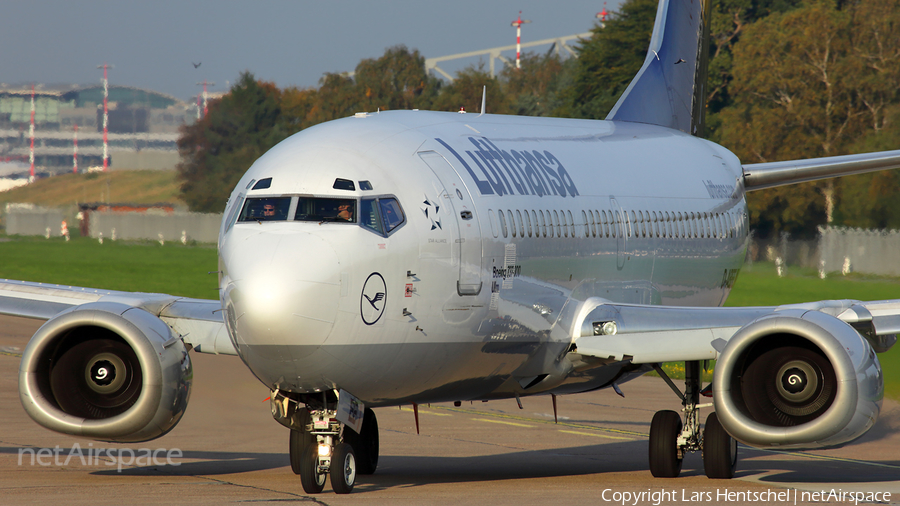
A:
324,450
605,328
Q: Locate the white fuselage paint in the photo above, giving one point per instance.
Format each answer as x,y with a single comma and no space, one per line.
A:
475,305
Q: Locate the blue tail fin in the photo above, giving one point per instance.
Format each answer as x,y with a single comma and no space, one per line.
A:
670,88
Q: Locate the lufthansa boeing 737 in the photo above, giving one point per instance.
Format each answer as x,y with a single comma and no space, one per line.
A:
410,257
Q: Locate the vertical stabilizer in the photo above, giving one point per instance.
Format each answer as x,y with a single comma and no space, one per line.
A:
670,88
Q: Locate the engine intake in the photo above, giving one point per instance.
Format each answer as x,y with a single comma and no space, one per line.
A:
797,379
106,371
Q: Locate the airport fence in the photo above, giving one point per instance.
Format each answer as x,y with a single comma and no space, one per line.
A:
26,219
177,226
858,250
836,249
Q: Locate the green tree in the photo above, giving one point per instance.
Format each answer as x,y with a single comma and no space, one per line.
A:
870,200
609,59
217,150
466,91
811,82
538,88
395,81
790,102
336,97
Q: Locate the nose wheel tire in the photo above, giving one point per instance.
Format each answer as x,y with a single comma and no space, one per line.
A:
664,431
343,469
719,450
300,439
312,480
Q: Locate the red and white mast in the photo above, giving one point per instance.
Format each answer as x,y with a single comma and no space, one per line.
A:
205,97
31,136
75,151
602,15
105,116
518,24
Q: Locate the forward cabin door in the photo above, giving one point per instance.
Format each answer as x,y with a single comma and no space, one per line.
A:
466,228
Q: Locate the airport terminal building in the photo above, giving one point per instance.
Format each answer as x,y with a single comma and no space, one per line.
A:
143,127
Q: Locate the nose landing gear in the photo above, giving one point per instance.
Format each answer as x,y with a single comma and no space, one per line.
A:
322,447
324,454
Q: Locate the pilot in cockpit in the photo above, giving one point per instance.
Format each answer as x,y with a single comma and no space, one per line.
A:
344,212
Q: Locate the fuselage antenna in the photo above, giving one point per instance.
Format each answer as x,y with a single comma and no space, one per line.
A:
483,99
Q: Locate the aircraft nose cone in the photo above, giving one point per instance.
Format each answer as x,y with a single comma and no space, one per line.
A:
283,290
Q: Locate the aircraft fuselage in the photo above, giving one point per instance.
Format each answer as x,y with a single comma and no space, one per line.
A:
471,291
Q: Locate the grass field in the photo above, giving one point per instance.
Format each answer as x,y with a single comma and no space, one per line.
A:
182,270
116,265
123,186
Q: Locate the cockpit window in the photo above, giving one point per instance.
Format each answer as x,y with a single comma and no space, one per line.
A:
265,209
381,214
391,214
317,209
369,216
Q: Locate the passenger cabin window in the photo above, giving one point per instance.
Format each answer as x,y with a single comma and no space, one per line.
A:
503,228
323,209
265,209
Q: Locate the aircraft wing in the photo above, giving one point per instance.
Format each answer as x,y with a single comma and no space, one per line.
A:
646,334
197,322
758,176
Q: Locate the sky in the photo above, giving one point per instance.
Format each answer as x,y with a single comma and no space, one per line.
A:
153,45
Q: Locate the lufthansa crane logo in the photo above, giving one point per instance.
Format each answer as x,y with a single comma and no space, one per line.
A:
373,299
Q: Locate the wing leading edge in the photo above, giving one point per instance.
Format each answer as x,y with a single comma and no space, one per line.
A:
198,322
652,334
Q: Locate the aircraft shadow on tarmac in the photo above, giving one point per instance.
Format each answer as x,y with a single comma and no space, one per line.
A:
789,469
631,456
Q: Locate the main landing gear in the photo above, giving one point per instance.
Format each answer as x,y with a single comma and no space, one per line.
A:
670,439
322,447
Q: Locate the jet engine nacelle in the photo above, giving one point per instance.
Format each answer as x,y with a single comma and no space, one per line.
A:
797,379
106,371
